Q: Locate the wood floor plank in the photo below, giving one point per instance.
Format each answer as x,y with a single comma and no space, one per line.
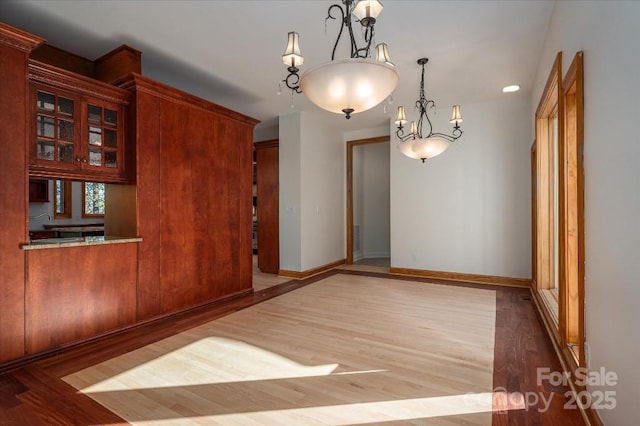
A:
385,349
520,346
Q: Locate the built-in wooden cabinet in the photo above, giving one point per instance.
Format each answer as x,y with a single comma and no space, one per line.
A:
78,126
38,191
186,163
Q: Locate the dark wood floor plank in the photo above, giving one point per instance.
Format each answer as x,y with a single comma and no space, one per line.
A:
522,346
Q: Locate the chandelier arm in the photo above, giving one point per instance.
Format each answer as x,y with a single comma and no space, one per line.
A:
365,50
449,138
343,20
293,80
347,23
457,132
400,134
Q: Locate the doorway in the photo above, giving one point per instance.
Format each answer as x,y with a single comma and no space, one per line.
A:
266,208
368,201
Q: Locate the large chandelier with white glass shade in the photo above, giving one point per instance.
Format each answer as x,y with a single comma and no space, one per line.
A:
351,85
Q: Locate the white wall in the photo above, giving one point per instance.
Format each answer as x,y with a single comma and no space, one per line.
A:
262,133
323,192
376,209
312,192
468,210
608,33
290,192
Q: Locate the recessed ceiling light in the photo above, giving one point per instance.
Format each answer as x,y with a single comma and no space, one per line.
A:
509,89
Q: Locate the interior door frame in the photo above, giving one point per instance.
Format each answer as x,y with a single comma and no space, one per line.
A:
350,146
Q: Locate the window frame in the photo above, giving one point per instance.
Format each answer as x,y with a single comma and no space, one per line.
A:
67,199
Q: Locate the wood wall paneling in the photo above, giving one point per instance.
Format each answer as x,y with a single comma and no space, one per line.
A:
194,181
183,212
78,292
268,178
146,115
15,46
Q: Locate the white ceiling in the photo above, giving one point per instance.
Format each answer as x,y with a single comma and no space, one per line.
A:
230,51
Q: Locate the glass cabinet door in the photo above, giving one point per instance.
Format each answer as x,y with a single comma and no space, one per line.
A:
76,135
55,127
103,136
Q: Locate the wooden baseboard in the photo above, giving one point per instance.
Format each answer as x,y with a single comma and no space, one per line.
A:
567,361
310,272
456,276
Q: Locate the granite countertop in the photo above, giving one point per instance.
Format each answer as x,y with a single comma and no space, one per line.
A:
48,243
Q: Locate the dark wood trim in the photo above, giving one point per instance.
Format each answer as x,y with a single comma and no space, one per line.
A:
464,277
350,145
271,143
311,272
19,39
57,77
62,59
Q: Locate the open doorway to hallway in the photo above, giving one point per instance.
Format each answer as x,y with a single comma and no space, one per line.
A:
368,208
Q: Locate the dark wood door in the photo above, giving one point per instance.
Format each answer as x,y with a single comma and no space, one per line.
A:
267,180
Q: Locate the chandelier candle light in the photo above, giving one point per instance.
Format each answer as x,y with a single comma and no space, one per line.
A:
422,145
350,85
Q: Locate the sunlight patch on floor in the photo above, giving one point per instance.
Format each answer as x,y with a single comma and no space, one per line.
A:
348,349
234,361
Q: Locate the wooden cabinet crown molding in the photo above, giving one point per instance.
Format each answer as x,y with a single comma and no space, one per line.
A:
272,143
139,83
18,39
48,74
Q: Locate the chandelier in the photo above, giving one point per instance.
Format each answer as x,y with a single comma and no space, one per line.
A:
420,144
350,85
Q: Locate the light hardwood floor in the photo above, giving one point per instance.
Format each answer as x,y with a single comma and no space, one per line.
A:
344,350
262,281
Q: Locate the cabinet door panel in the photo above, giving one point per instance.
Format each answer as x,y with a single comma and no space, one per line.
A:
55,120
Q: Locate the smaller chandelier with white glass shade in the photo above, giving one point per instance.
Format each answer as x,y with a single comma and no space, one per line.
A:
349,85
420,143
